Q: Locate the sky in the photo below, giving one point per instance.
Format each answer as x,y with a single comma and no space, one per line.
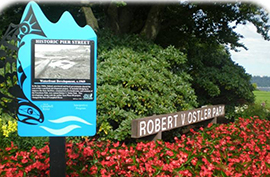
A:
256,60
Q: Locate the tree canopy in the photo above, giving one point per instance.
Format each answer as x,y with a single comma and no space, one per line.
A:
203,31
166,24
174,24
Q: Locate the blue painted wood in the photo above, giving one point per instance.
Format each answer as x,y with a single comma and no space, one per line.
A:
53,116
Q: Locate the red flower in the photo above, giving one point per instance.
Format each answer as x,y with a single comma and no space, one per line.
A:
87,151
24,160
116,144
170,153
194,161
113,151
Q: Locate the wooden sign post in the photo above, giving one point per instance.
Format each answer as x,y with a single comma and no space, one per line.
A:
153,126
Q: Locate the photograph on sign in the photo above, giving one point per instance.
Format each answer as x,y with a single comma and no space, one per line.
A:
62,69
62,61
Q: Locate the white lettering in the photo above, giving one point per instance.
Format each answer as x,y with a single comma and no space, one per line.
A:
214,111
39,41
194,116
198,114
63,42
205,113
189,117
217,113
81,42
183,118
157,125
163,123
170,122
220,110
142,128
47,41
148,126
209,113
175,120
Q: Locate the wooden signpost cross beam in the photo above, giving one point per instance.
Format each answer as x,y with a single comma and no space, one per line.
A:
151,128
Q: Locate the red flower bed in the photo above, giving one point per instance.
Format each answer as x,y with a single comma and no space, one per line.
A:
241,148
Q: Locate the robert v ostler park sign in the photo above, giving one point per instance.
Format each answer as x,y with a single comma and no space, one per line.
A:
56,70
154,124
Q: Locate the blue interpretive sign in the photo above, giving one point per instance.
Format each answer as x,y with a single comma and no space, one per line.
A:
56,70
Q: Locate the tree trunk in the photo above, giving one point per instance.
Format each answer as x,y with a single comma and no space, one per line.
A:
152,24
90,18
125,18
113,18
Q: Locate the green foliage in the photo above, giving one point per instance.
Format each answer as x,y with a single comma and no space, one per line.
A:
211,22
218,79
8,134
261,81
255,86
136,79
259,108
251,110
8,76
11,14
53,11
262,97
120,3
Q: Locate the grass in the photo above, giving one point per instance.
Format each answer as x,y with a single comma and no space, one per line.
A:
262,97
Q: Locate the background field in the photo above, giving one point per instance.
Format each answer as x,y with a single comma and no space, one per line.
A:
262,96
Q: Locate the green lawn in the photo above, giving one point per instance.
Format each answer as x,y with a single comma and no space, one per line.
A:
262,96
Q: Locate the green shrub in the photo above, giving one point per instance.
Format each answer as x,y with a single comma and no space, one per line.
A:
217,79
135,79
8,134
251,110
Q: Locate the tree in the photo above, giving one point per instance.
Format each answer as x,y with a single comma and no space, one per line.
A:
216,78
167,24
255,86
201,31
212,22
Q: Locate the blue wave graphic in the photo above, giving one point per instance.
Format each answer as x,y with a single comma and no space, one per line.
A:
62,131
70,118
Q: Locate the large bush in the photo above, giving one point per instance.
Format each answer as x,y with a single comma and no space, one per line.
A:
216,78
137,78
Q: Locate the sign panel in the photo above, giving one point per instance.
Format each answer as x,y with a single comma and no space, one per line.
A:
62,70
152,125
57,73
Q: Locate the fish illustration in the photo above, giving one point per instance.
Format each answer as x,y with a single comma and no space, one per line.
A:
29,113
26,111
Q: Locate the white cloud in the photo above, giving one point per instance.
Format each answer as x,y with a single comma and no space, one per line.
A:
256,60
